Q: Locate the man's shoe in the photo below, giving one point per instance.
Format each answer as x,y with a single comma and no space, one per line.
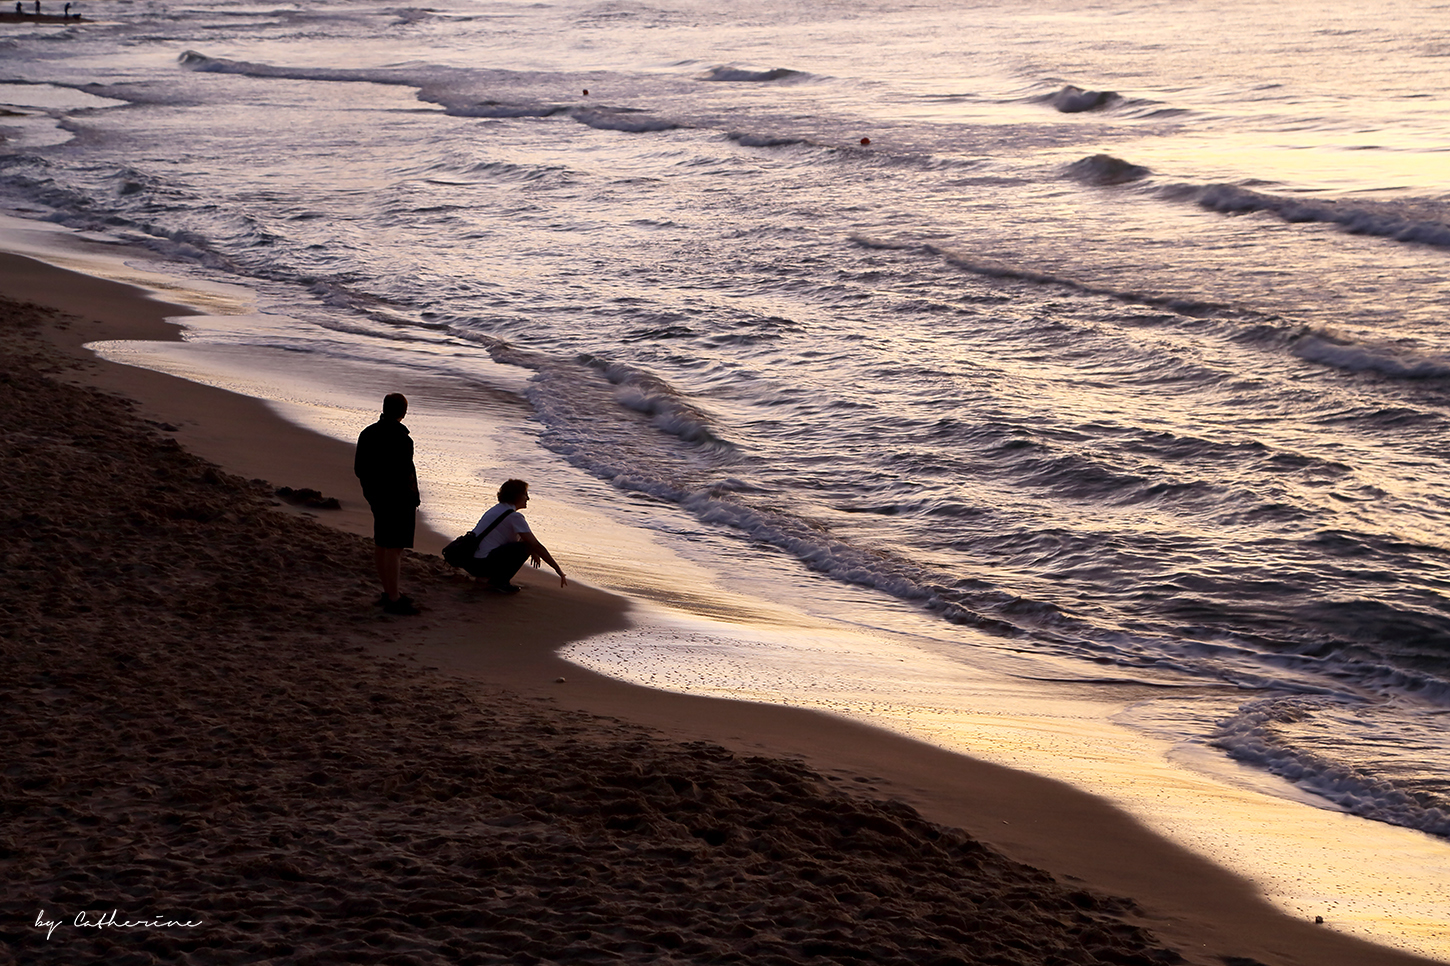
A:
403,606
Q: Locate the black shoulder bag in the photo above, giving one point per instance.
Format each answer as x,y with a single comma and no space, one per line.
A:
460,552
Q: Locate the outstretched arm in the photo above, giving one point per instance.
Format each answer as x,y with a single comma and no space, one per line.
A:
540,552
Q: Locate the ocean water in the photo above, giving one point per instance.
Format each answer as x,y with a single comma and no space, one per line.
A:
1105,345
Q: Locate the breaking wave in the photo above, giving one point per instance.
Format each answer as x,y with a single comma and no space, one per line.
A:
742,75
1424,221
1075,100
1261,733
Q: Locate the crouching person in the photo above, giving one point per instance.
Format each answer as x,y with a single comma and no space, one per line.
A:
507,541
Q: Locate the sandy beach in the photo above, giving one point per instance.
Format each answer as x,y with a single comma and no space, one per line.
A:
217,737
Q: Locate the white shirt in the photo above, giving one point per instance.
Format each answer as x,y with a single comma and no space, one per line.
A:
506,532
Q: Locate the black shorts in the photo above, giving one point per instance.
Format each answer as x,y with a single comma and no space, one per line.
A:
501,564
393,525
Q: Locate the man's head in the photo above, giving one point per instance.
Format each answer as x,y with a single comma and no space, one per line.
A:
513,491
395,405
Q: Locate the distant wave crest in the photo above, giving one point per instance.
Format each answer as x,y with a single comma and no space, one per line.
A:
634,122
994,269
1323,347
1075,100
731,74
498,109
1359,357
432,84
768,141
1104,169
1423,221
192,60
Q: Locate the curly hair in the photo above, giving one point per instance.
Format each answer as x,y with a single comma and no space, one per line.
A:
512,490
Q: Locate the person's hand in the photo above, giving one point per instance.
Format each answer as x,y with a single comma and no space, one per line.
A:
563,581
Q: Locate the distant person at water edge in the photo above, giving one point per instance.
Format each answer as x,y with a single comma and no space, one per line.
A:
508,541
384,465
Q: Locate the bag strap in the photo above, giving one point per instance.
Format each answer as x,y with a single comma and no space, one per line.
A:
489,529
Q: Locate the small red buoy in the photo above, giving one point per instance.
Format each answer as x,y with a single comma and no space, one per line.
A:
865,141
586,92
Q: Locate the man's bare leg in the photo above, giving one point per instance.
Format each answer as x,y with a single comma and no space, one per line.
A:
390,567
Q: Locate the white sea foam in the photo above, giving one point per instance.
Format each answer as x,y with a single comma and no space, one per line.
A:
1262,733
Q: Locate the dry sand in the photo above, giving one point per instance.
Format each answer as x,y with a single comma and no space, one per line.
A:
208,721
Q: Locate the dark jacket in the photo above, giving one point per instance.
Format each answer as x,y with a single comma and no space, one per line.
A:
384,464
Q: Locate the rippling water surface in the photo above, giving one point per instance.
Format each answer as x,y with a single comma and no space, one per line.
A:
1118,334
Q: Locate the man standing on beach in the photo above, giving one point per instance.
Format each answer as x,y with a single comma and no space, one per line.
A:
508,542
384,465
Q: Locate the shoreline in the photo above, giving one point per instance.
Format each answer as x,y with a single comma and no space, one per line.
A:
1203,911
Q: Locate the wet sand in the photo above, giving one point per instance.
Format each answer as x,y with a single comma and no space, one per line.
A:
211,722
